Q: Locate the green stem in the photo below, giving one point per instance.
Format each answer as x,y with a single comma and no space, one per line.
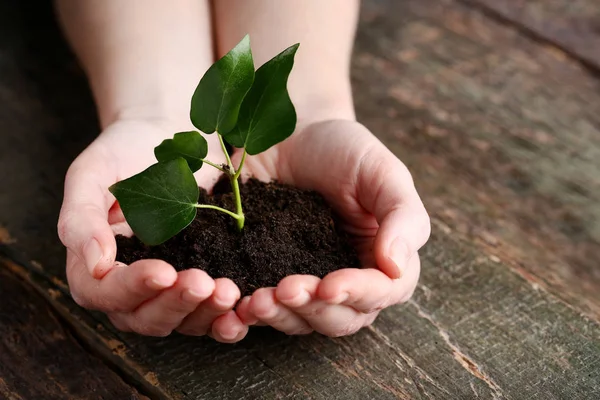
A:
217,166
238,202
239,215
234,215
225,151
238,172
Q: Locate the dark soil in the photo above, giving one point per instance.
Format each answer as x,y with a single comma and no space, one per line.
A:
287,231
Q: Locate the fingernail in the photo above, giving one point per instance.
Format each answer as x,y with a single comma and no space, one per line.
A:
190,296
231,335
342,297
301,299
399,255
92,254
224,303
158,283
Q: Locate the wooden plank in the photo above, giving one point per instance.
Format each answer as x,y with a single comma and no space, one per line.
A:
573,26
186,367
440,84
473,329
40,359
502,135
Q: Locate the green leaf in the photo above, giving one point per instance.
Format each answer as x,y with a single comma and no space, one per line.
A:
158,202
219,95
190,146
267,115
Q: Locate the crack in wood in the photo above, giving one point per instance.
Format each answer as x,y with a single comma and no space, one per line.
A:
283,378
463,359
407,359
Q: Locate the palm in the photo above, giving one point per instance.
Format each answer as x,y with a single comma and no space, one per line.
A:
374,194
366,184
127,148
148,296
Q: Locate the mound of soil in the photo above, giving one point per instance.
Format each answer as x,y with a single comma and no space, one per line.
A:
287,231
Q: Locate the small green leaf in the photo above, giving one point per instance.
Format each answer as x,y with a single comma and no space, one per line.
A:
217,99
158,202
190,146
267,115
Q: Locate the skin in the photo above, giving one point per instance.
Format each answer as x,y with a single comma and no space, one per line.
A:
330,152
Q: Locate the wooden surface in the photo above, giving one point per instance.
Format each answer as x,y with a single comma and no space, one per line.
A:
573,26
500,125
40,359
502,134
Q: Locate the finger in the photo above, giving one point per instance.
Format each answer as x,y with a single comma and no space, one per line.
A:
265,306
368,290
243,311
83,226
161,315
119,322
224,298
386,189
332,320
297,290
123,288
115,215
405,292
298,293
228,328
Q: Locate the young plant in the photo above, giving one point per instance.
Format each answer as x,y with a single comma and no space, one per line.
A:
247,109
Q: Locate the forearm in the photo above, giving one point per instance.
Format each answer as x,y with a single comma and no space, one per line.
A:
320,82
143,58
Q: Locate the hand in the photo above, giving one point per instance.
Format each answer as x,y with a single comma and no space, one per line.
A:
148,296
374,193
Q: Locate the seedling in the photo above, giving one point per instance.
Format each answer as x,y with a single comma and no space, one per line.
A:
247,109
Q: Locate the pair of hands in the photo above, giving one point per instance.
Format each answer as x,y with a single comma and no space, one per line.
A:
359,177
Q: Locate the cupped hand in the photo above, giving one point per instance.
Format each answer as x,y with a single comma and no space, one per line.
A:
148,296
374,193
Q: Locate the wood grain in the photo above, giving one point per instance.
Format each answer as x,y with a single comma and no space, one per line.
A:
572,26
501,134
473,330
39,358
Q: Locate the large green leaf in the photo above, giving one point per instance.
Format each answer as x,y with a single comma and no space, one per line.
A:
160,201
267,115
190,146
217,99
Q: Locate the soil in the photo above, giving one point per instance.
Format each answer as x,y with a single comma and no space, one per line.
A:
287,231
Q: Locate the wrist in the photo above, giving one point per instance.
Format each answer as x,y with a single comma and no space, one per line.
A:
158,114
335,102
161,94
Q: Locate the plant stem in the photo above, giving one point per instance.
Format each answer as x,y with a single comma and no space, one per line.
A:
236,191
238,202
238,172
234,215
212,164
235,186
225,151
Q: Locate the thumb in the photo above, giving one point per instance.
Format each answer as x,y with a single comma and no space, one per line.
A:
386,189
83,222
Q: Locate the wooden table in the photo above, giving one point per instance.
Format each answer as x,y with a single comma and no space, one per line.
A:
495,107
